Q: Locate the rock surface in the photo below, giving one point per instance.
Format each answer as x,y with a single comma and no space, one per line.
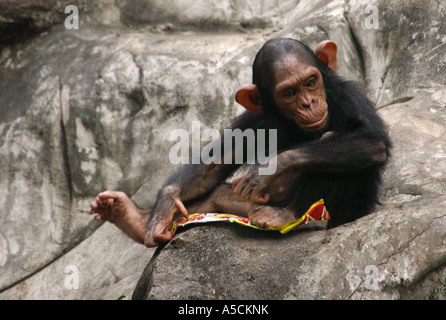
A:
393,254
88,109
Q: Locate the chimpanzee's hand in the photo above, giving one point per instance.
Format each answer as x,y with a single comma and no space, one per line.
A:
167,205
252,186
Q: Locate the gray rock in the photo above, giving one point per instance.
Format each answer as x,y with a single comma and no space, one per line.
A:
106,265
387,255
90,111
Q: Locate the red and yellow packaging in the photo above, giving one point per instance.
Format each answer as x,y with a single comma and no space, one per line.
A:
316,212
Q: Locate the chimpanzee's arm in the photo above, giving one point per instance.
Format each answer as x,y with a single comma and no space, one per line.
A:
191,182
188,183
338,152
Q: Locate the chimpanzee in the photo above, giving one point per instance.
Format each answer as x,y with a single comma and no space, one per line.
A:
331,144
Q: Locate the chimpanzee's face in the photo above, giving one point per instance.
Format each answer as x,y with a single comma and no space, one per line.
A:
300,94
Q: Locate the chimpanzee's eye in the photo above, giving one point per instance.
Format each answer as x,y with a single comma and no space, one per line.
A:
311,83
290,93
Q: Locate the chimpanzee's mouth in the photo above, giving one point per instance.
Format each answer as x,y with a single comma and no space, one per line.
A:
316,126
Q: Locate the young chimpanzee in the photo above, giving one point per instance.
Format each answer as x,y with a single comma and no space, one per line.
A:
331,145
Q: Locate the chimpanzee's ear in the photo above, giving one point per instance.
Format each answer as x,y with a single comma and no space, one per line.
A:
327,51
248,97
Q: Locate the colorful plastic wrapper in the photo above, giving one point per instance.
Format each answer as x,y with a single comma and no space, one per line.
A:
316,212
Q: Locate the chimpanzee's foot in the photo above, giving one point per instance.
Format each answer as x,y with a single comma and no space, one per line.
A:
268,217
117,208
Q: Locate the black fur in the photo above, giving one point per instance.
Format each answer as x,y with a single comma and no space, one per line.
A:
337,172
348,193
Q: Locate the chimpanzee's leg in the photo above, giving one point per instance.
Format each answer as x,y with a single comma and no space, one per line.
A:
117,208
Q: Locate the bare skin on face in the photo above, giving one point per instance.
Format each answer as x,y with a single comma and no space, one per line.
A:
300,94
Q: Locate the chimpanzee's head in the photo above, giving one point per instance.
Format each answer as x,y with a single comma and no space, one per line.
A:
288,77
